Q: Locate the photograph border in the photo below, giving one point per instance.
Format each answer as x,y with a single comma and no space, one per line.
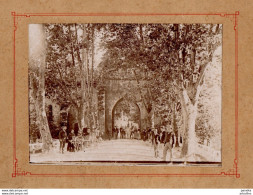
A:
17,171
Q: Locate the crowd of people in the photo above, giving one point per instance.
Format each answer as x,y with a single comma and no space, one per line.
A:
158,137
78,142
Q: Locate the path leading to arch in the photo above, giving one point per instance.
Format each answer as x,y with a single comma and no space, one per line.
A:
121,150
113,150
109,150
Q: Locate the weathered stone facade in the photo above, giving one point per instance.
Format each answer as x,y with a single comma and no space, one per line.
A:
53,110
116,90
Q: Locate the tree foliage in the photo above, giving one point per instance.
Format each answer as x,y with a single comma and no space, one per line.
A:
167,55
168,62
173,58
70,76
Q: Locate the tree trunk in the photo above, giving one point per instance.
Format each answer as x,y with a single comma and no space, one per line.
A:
37,60
152,113
191,119
175,128
80,111
189,112
177,142
94,123
148,120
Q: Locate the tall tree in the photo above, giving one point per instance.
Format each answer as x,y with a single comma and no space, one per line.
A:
70,68
174,57
37,62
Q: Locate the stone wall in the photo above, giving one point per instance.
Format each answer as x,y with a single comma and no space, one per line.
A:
55,111
115,91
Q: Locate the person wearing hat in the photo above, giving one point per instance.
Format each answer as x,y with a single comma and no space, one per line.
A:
62,138
86,135
169,137
79,142
156,143
114,132
71,138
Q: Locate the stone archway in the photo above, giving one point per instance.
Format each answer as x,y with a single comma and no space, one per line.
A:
117,103
114,92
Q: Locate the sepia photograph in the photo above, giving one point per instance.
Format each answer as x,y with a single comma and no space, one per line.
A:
125,94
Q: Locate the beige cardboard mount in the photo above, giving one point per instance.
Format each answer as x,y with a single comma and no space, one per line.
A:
237,81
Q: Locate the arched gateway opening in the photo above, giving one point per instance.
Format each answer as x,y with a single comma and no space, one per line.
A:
116,93
126,114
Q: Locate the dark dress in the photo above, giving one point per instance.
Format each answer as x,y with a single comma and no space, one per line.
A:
62,139
71,146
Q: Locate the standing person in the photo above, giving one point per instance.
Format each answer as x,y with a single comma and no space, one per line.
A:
139,134
62,138
156,143
87,136
114,132
132,134
152,136
145,134
127,132
119,133
124,134
71,139
79,142
168,143
162,138
149,134
162,135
